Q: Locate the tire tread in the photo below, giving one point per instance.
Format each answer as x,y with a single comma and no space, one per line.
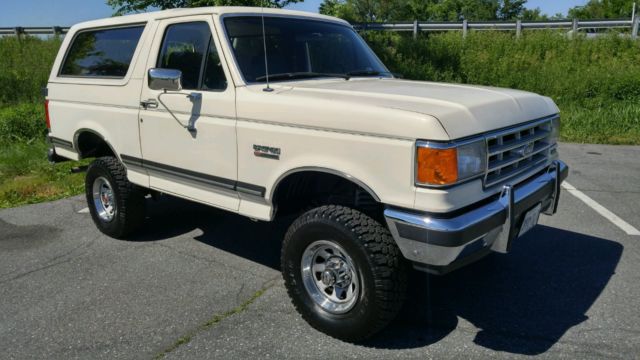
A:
385,260
130,199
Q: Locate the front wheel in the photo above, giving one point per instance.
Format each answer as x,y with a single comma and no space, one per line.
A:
116,205
343,272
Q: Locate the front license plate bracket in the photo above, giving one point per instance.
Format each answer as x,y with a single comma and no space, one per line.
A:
530,219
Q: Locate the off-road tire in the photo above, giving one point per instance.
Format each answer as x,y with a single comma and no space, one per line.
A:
130,203
382,268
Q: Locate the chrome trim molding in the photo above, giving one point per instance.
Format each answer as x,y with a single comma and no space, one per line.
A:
65,144
190,176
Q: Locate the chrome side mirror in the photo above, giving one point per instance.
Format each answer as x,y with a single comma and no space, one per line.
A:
165,79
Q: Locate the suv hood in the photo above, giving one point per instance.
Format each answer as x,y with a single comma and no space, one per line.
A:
462,110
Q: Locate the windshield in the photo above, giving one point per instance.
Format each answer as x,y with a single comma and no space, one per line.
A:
299,49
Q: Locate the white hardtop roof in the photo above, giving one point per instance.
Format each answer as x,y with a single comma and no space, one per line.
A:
220,10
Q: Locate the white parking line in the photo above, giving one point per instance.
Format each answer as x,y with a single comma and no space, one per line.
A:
84,211
615,219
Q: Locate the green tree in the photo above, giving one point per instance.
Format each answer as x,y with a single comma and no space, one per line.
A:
363,10
511,9
534,14
428,10
456,10
129,6
340,9
603,9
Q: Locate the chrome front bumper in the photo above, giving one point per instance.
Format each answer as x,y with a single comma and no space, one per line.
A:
439,243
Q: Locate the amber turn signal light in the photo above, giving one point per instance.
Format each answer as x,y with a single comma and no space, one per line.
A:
437,166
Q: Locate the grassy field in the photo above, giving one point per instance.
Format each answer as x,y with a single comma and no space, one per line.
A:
596,83
25,175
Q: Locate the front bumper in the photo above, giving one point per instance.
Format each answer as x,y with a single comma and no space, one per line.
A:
441,243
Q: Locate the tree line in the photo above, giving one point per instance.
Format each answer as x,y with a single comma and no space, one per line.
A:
472,10
407,10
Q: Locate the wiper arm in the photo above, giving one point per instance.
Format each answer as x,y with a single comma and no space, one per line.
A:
367,73
300,75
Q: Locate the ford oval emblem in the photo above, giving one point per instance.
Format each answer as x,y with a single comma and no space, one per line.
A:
525,150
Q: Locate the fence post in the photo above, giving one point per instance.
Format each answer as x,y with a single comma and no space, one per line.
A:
518,28
634,28
415,29
465,28
574,28
18,31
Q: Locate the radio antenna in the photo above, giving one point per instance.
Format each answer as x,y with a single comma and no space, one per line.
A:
264,44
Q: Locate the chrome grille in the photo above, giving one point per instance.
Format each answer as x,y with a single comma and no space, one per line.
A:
516,151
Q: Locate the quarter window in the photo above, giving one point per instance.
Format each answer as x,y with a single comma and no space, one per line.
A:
189,47
102,53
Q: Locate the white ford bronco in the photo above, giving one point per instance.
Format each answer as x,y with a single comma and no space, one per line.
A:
267,113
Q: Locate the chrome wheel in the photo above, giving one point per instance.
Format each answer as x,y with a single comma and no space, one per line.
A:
330,276
103,199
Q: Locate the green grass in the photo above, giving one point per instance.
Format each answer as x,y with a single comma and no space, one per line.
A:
595,82
20,123
26,177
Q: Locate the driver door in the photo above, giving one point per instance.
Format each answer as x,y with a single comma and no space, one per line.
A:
200,164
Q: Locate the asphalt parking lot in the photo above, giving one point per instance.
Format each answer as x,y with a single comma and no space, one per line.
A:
201,284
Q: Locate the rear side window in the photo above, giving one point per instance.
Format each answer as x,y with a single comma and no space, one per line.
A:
102,53
189,47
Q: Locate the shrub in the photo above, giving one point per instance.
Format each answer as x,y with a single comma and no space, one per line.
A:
605,68
22,122
25,65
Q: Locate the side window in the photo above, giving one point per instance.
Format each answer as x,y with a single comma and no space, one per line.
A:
189,47
102,53
214,78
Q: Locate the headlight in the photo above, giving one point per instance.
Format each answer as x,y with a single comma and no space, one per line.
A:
445,164
555,130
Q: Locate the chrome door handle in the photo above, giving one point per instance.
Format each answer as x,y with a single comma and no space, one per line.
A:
149,104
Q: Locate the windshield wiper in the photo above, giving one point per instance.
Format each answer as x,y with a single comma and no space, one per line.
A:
367,73
300,75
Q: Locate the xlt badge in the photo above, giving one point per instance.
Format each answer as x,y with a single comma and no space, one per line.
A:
266,152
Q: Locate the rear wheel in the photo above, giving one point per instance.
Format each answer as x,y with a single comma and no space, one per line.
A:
343,272
116,205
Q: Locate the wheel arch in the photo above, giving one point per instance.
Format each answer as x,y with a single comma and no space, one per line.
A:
91,143
303,188
311,169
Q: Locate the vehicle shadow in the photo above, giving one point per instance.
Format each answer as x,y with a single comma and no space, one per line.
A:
257,241
522,303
